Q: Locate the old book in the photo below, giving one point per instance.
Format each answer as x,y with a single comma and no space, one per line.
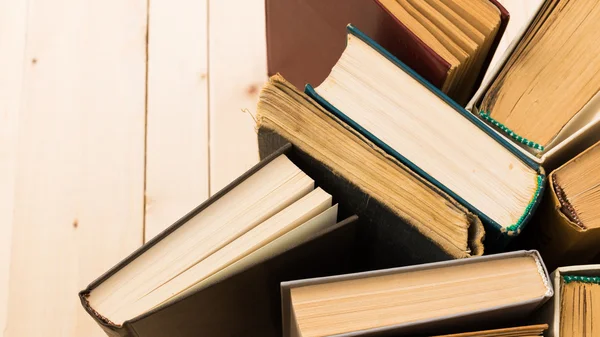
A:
419,299
372,91
545,97
567,229
405,215
220,264
521,331
449,42
575,309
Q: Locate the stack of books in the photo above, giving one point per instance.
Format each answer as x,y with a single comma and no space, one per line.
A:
408,190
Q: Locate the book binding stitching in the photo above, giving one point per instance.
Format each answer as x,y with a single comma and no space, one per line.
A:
581,279
486,116
516,228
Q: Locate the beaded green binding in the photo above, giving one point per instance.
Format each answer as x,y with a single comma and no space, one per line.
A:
509,132
582,279
517,226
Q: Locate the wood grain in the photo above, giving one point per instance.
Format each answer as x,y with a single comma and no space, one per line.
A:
78,207
13,18
238,69
177,131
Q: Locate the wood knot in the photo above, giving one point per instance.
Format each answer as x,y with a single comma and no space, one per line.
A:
75,223
34,61
252,90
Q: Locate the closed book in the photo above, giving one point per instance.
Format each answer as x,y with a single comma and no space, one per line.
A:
566,229
305,38
241,297
407,220
544,125
414,122
418,300
579,312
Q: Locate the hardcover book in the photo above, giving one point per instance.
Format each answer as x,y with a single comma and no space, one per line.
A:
567,228
422,299
449,42
216,272
575,308
396,109
407,219
544,95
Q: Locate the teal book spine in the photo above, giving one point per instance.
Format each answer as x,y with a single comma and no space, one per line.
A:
497,237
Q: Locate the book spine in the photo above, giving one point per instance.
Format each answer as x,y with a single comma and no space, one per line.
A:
110,328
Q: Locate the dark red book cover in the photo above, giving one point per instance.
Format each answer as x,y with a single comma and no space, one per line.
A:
305,38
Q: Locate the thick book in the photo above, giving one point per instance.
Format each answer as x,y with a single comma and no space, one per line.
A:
575,309
450,43
216,272
404,218
395,108
550,69
566,230
422,299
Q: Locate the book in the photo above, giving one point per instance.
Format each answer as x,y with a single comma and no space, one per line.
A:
407,219
521,331
545,96
575,308
521,15
372,91
450,42
216,271
421,299
567,229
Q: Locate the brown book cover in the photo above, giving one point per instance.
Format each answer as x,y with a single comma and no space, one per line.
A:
558,238
245,304
305,38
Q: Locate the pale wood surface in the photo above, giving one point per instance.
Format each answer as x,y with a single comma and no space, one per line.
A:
78,202
12,45
237,71
177,151
82,178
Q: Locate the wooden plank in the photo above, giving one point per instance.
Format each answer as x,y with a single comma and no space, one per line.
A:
78,206
13,18
238,69
177,138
